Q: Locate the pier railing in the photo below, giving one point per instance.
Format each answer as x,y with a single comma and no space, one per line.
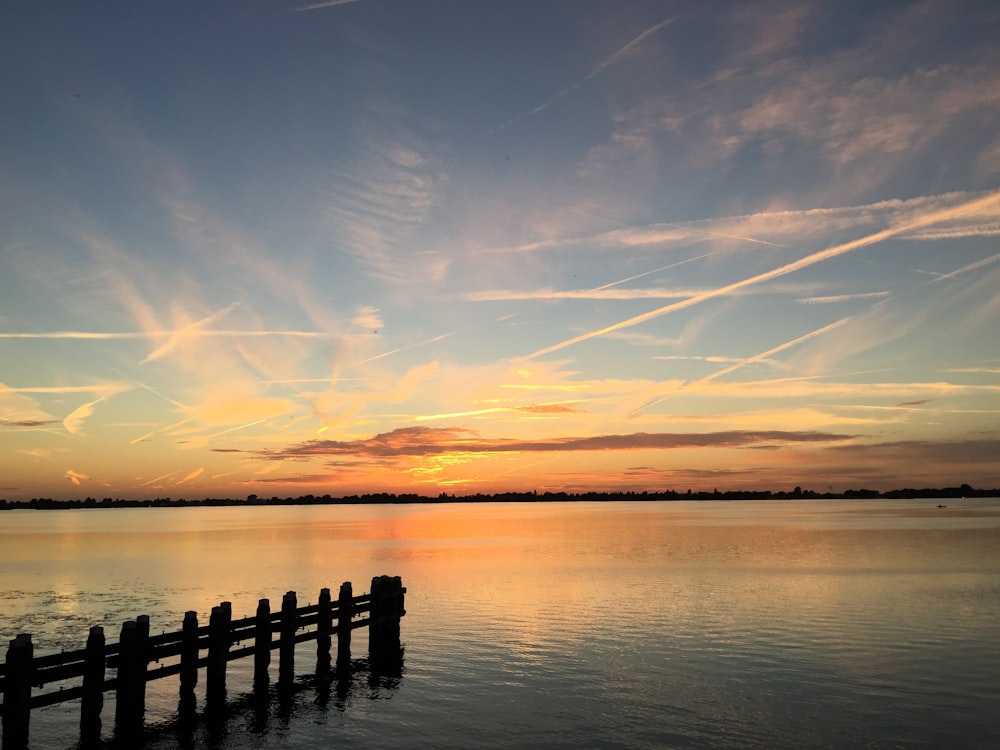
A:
136,658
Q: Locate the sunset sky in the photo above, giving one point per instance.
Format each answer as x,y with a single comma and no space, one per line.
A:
290,248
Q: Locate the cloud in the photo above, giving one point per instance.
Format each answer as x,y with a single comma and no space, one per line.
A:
432,441
17,410
380,200
917,452
367,318
28,422
75,477
812,387
73,421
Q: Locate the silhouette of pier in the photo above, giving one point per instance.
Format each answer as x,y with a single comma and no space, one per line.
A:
136,659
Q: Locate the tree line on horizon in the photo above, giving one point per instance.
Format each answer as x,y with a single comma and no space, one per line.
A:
962,491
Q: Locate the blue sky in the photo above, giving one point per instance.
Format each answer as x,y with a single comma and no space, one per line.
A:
402,245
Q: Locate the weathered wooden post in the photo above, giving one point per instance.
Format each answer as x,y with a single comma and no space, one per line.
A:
92,700
384,652
286,643
141,664
218,650
345,613
262,645
324,626
375,606
397,609
189,658
17,693
128,701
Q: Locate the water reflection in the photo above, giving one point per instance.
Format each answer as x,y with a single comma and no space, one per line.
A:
737,624
271,708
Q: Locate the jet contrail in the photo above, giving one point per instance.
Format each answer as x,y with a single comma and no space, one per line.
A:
324,4
740,364
647,273
600,66
817,257
408,346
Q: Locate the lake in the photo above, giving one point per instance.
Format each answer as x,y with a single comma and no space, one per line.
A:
559,625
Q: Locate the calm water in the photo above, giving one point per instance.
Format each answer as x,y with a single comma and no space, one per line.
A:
624,625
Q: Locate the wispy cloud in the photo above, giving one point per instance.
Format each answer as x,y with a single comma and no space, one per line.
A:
932,452
76,477
379,202
73,422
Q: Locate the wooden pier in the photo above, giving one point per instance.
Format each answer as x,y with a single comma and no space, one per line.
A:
136,658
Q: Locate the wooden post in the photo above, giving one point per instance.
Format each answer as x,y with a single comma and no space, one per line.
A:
128,709
92,700
324,627
141,665
397,610
286,646
345,612
17,693
375,619
384,652
262,645
189,657
218,650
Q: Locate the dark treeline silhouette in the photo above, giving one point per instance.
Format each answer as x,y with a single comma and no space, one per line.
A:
376,498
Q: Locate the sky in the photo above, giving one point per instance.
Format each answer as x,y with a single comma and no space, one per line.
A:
474,246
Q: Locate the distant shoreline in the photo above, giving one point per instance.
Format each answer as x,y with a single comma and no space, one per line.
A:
387,498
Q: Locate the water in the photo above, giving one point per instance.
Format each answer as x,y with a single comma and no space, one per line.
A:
560,625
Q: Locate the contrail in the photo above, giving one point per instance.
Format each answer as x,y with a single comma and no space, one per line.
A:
817,257
325,4
600,66
125,335
403,348
965,269
740,364
647,273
